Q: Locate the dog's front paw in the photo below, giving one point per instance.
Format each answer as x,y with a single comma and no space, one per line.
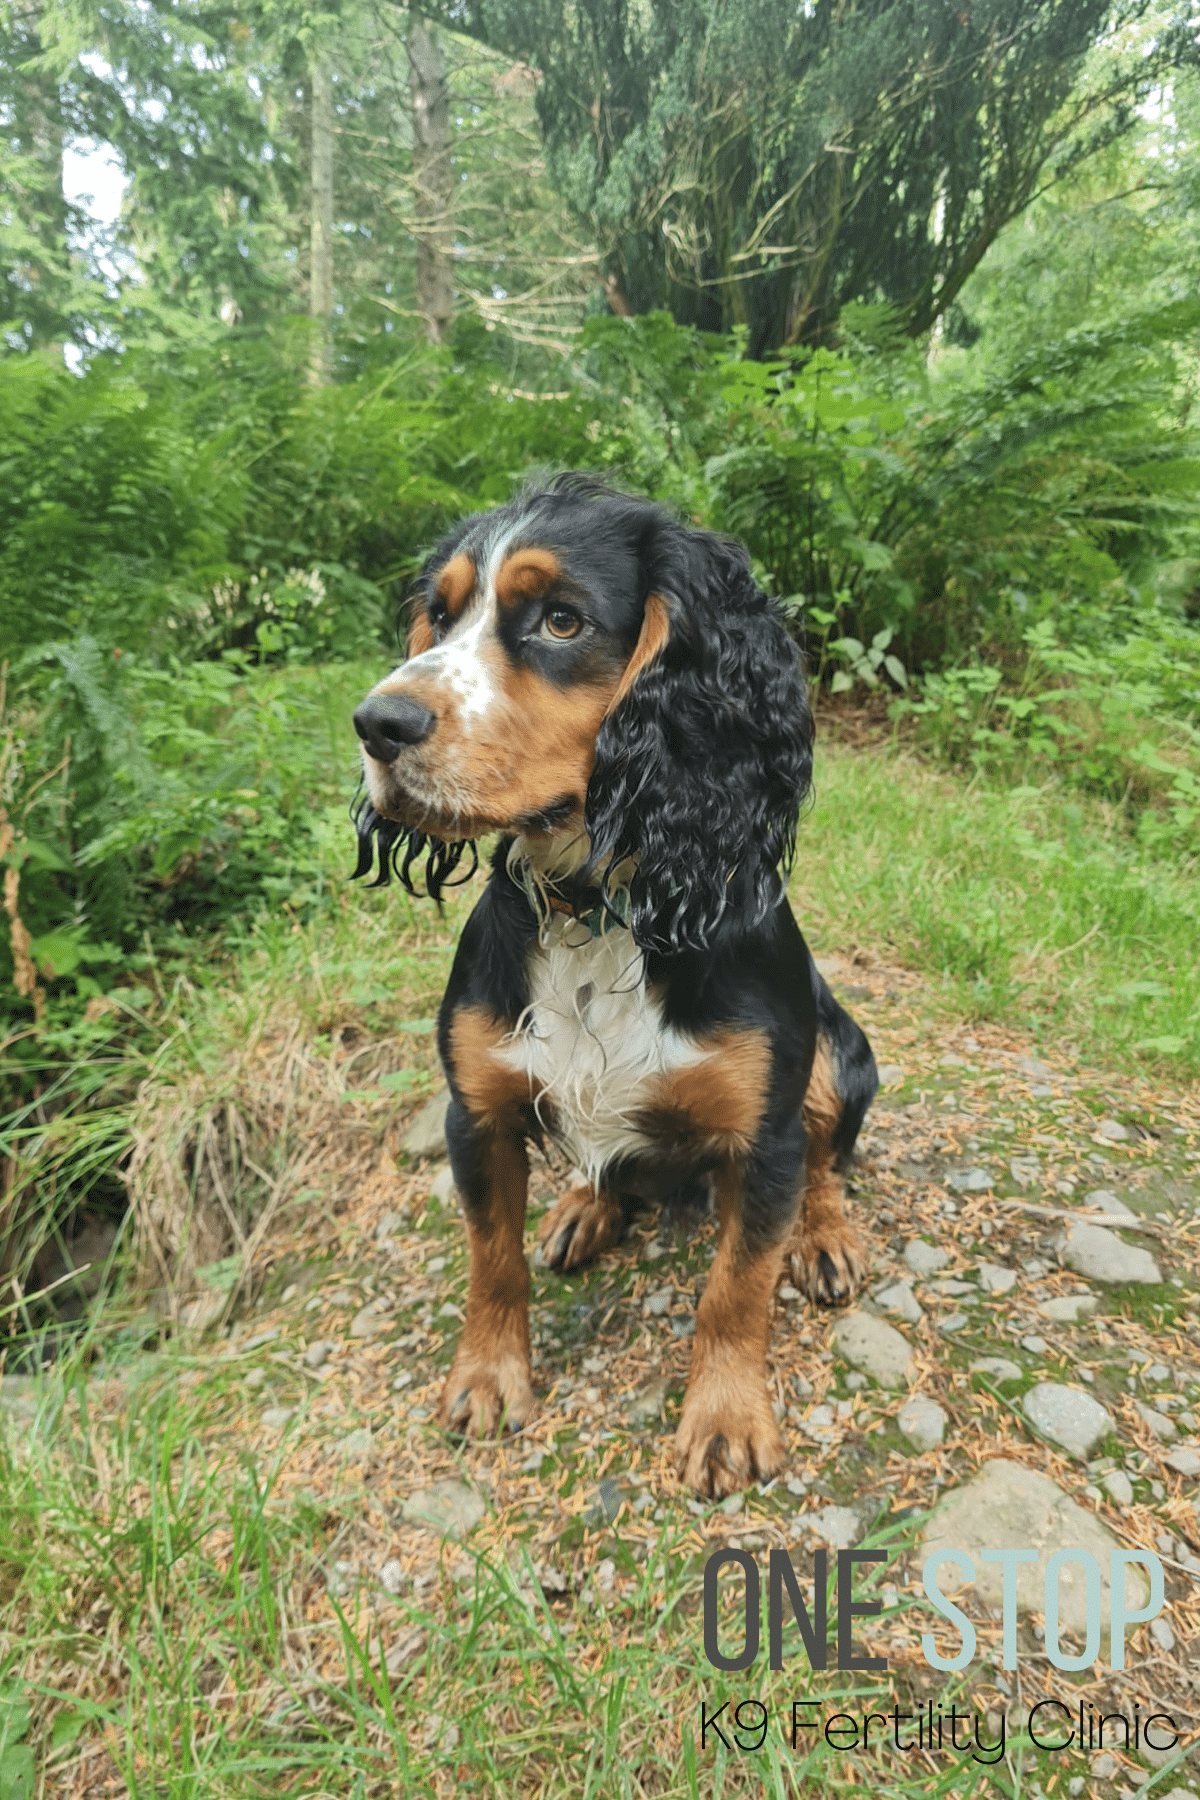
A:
487,1392
582,1224
828,1262
727,1436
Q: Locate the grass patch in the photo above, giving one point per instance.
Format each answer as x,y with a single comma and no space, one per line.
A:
1027,906
172,1626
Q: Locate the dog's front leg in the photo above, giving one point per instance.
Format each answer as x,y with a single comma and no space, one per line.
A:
489,1384
727,1435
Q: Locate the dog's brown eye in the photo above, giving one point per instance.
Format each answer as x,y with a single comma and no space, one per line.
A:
561,622
439,618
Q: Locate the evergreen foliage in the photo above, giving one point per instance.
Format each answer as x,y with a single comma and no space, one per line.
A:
762,164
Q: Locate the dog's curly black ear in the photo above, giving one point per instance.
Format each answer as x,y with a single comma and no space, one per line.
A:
703,765
392,846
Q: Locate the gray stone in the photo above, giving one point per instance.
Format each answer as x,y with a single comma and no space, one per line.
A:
923,1258
899,1298
1105,1201
1113,1130
320,1352
953,1322
391,1576
1000,1368
1068,1309
276,1417
837,1526
954,1290
1007,1503
426,1136
1160,1425
1036,1346
994,1278
355,1444
1104,1766
368,1322
874,1347
450,1508
970,1181
923,1422
1033,1066
1024,1170
610,1496
442,1186
258,1340
1098,1253
657,1304
1184,1461
1162,1634
1068,1417
388,1226
1119,1487
439,1734
890,1074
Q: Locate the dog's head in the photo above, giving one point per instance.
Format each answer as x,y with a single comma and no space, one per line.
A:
582,665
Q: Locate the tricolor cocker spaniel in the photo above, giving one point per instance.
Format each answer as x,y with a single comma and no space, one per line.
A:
611,692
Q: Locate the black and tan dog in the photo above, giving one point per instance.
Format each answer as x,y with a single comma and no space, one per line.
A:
612,692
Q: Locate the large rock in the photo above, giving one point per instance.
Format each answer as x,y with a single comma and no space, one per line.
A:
1006,1503
1000,1368
994,1278
448,1507
898,1297
1069,1417
923,1258
923,1422
1098,1253
875,1348
426,1136
1069,1309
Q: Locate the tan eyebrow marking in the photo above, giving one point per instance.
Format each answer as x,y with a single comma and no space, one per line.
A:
525,575
420,635
656,629
456,583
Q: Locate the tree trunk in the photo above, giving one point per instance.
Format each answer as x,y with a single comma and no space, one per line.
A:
48,214
320,287
433,179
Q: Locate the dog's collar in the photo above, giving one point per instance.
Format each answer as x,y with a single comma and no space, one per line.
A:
589,907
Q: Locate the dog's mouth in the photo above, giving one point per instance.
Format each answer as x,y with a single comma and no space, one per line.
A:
438,809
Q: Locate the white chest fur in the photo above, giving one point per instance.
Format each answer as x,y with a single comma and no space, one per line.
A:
594,1041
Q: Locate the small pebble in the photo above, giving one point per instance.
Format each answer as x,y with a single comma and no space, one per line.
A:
391,1576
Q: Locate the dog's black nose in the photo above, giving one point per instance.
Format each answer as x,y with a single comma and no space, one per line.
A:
386,723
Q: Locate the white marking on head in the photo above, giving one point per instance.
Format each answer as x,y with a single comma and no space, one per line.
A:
460,662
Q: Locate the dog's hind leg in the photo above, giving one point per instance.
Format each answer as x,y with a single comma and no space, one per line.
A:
825,1257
